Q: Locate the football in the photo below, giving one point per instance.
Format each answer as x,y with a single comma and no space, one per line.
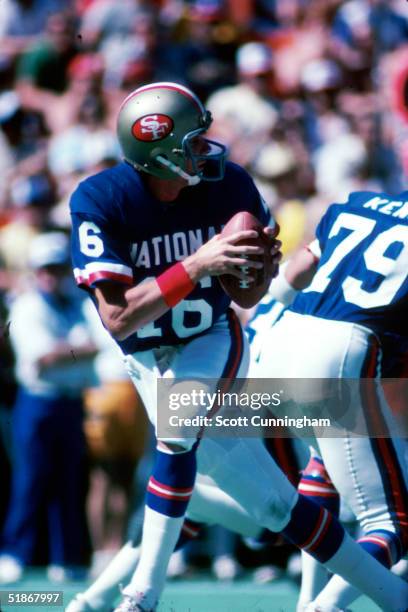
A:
244,293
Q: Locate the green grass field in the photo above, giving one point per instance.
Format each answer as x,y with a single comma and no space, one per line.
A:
198,595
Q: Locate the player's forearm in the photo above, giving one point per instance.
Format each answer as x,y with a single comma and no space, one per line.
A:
65,353
123,313
294,275
195,267
301,269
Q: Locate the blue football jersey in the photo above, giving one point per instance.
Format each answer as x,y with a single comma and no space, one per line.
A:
120,232
362,275
266,314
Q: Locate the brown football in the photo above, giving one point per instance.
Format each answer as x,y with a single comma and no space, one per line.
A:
247,294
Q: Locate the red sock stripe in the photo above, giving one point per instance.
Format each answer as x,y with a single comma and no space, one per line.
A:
316,488
190,530
171,489
175,494
314,466
316,530
375,539
325,528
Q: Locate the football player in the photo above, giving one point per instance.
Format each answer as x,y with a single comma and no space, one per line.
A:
147,246
355,281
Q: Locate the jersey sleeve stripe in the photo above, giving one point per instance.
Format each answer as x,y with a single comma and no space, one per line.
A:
100,271
107,266
101,276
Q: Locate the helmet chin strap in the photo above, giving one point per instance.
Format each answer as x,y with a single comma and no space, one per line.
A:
191,179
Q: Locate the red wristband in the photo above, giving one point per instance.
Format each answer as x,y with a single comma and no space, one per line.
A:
175,284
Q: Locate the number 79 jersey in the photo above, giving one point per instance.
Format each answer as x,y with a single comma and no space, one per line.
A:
362,275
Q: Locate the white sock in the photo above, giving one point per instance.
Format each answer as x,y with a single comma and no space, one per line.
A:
160,535
314,578
343,592
368,575
103,592
340,591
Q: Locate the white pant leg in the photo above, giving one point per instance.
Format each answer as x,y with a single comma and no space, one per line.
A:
363,470
144,371
221,352
301,346
371,474
245,470
241,467
210,505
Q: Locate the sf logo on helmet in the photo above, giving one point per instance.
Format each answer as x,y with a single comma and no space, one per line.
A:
152,127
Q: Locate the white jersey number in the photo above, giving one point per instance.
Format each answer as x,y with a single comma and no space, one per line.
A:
394,270
89,241
178,314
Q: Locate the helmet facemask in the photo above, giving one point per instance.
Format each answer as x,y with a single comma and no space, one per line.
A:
192,165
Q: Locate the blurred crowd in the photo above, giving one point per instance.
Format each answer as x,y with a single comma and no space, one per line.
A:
309,95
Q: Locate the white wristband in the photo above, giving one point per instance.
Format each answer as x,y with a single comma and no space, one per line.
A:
281,289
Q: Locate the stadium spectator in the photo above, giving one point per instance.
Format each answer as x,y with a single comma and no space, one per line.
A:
22,141
22,23
30,199
8,390
245,113
42,71
54,363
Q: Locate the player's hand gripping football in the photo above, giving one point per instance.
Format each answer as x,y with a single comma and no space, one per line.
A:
222,255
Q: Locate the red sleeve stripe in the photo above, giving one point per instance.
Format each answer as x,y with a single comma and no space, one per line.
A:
100,276
95,271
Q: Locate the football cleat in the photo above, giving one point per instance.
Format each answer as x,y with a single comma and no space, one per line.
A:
130,604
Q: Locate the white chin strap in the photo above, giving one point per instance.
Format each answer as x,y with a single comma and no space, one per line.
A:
191,179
